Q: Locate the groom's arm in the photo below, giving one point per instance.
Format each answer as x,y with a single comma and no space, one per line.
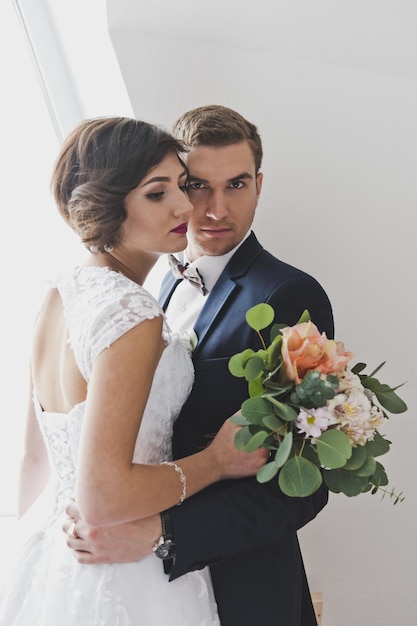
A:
232,517
208,527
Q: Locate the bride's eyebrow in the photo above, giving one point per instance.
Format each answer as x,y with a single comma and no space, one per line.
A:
156,179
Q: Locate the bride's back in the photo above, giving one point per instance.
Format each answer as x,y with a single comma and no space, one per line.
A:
58,382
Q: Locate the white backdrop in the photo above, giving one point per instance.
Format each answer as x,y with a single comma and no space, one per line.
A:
333,90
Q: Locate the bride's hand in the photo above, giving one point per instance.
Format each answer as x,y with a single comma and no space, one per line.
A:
120,543
235,463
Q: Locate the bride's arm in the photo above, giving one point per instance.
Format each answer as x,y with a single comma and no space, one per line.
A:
34,469
110,488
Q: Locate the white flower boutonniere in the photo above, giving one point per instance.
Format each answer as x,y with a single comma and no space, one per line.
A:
188,339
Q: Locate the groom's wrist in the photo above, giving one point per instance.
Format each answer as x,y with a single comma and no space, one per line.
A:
164,548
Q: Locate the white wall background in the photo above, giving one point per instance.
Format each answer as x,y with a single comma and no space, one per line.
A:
75,75
332,87
40,102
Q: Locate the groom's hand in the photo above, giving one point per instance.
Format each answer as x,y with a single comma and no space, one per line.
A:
109,544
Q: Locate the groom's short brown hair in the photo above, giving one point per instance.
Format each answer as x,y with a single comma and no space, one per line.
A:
216,125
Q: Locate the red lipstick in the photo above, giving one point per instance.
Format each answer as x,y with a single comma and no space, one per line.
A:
181,229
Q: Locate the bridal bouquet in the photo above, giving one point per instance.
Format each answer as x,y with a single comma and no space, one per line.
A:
319,417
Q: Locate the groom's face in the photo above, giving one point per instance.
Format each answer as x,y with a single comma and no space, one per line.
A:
224,191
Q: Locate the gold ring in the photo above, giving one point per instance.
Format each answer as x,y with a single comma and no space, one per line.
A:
72,531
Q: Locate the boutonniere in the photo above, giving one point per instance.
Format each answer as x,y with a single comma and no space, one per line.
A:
188,338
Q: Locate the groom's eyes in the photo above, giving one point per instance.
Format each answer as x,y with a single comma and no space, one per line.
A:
195,185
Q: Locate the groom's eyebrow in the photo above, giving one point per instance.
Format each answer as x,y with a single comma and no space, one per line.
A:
199,179
240,176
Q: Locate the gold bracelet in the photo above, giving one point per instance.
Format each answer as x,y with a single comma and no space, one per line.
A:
182,476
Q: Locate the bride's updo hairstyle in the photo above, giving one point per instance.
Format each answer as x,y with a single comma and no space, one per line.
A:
100,162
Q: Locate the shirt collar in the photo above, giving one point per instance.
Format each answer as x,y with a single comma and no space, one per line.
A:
210,267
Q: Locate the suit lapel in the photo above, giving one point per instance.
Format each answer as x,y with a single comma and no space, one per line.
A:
216,300
222,290
225,286
168,286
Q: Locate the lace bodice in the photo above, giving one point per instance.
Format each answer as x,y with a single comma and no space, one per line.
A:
101,305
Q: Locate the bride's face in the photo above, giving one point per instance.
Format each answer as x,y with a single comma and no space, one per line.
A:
158,210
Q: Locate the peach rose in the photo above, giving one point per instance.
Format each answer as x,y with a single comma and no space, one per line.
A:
305,349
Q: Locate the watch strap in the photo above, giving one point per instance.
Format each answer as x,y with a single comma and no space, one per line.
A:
167,533
166,523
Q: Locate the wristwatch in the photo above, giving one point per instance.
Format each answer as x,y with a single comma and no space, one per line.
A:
165,546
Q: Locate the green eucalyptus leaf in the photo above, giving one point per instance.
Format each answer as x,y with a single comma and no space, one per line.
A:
270,442
397,387
381,365
368,468
378,446
332,480
256,441
239,419
379,477
276,389
284,411
266,472
308,453
260,316
352,484
272,422
299,477
276,331
256,409
343,481
284,450
238,362
255,387
333,448
358,368
254,367
390,400
358,458
242,438
304,317
385,395
274,353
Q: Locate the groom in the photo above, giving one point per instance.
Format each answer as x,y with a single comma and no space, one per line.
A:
246,532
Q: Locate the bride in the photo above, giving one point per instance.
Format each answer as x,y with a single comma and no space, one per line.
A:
108,381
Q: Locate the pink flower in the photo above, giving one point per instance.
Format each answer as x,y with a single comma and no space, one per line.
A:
304,349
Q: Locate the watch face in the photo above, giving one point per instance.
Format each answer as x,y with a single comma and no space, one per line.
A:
166,550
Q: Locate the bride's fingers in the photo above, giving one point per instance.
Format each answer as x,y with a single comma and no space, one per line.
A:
71,509
69,527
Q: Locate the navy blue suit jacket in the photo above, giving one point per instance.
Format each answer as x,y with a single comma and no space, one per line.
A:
246,532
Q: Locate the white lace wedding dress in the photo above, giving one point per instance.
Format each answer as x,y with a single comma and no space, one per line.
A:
49,587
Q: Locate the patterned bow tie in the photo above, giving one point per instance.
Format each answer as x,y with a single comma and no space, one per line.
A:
190,273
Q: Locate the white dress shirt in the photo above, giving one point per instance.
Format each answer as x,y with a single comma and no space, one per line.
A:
186,302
